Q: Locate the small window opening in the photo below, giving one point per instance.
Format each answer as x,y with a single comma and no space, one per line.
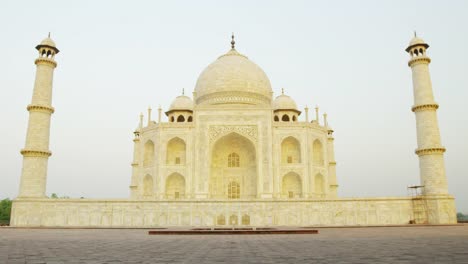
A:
285,118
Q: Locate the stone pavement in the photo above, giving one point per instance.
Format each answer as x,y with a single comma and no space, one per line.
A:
436,244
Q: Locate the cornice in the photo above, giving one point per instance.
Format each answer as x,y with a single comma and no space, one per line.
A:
424,107
45,61
429,151
35,153
419,60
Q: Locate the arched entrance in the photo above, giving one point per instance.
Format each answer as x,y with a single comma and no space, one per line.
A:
233,172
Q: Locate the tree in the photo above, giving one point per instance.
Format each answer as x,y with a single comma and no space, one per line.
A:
5,211
462,217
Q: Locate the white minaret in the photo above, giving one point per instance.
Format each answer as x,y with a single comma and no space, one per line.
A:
429,151
36,152
333,184
136,159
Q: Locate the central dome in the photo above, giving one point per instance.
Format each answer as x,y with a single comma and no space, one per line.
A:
233,79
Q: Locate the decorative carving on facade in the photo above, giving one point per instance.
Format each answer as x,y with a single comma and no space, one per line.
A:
216,131
423,107
429,151
233,97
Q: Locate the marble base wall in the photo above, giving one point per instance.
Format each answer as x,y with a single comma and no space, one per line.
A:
290,212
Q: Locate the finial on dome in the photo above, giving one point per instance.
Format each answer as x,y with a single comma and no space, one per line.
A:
233,43
282,91
415,35
183,91
48,35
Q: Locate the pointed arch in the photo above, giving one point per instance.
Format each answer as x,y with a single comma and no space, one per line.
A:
148,155
233,220
190,119
180,118
276,118
285,118
175,152
317,153
148,185
175,186
290,150
319,185
221,174
291,185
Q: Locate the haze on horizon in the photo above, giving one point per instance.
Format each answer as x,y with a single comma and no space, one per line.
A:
119,57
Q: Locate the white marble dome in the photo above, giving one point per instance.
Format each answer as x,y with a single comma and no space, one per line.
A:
181,102
284,102
233,78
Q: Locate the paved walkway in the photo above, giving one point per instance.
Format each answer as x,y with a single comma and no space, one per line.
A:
447,244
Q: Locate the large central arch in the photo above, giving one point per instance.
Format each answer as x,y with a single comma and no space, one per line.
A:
233,172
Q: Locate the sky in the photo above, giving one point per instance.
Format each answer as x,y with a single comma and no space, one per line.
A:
120,57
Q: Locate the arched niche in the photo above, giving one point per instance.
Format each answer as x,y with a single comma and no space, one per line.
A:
176,152
317,153
226,181
175,186
290,150
148,153
291,185
319,185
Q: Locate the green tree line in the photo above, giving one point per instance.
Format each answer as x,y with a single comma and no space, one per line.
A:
5,211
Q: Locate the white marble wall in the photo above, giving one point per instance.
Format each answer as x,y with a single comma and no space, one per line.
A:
287,212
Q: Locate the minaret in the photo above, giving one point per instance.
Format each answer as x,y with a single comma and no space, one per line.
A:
136,159
333,184
36,152
430,151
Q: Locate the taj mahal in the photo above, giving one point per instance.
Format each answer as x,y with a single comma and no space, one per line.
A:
233,154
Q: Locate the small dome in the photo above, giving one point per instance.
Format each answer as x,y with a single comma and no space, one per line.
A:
48,42
284,102
415,41
181,102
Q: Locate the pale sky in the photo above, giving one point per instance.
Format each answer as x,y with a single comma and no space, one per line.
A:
119,57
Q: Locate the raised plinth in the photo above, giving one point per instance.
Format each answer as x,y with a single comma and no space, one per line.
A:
234,231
